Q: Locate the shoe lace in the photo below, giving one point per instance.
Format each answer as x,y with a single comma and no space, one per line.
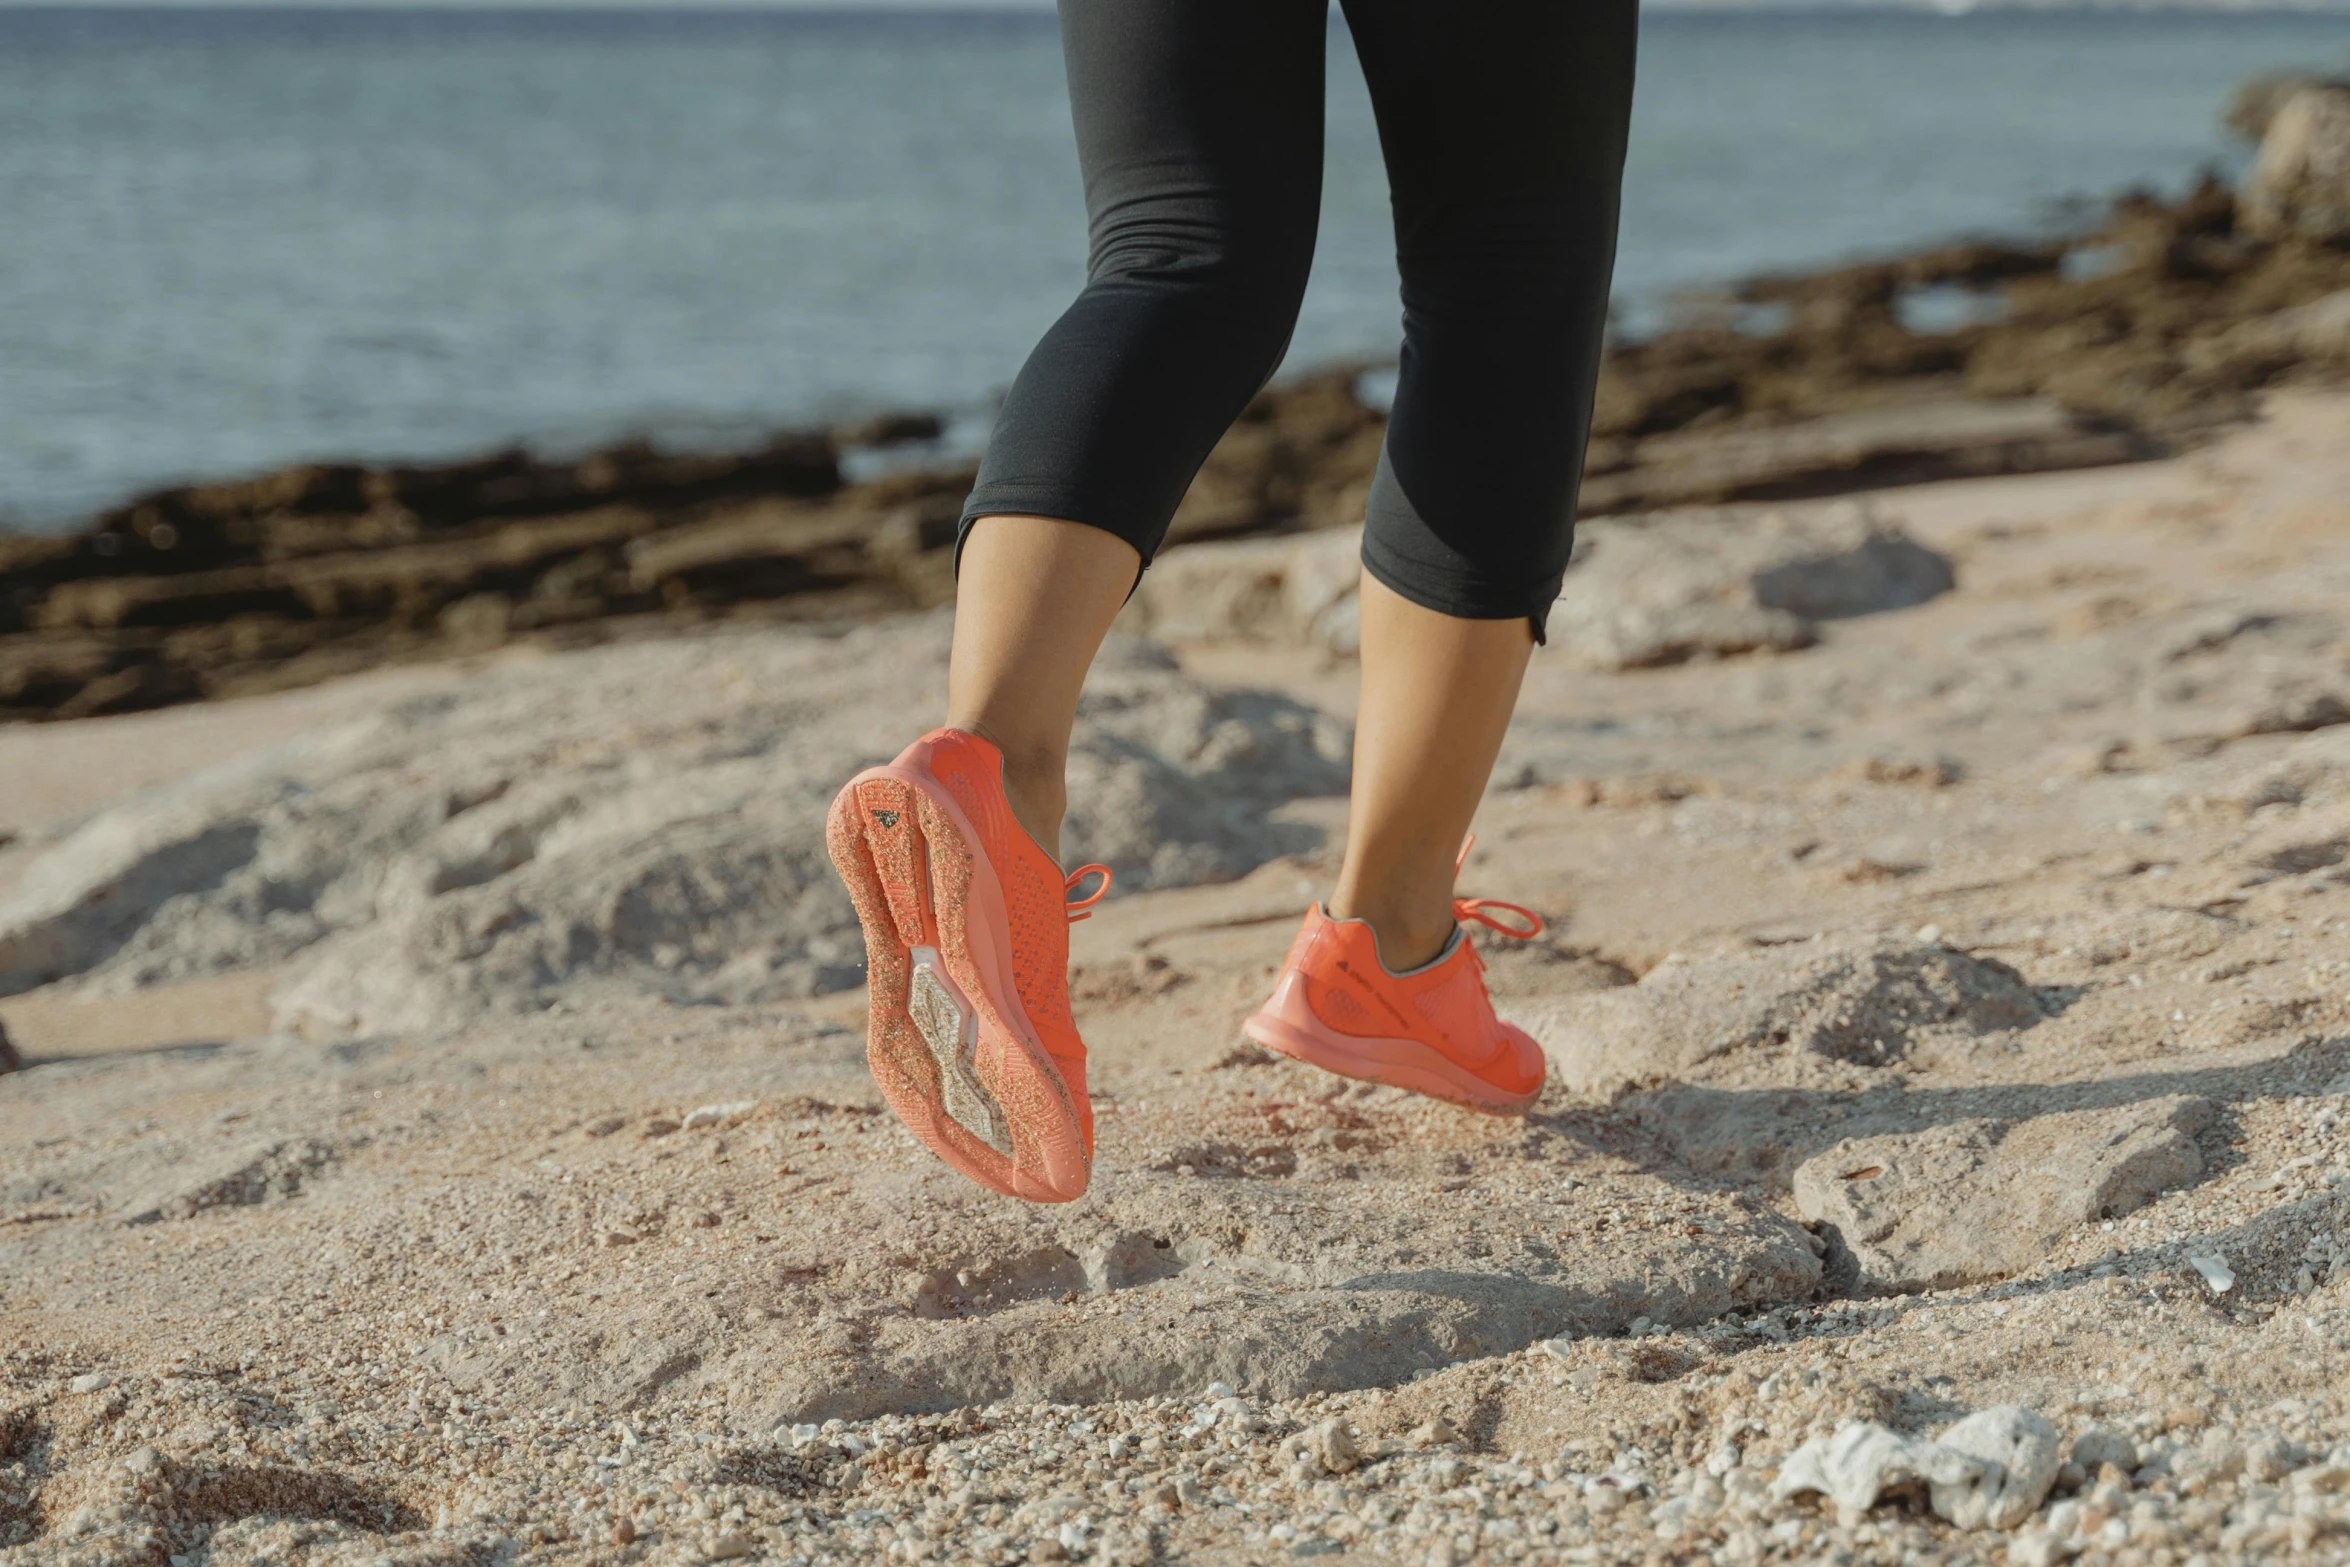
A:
1482,910
1082,908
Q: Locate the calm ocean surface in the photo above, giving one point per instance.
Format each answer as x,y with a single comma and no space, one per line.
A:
228,240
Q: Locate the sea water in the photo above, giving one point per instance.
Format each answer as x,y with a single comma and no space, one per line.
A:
233,239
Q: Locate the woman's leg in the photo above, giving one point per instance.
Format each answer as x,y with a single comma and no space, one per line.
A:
1503,124
1034,598
1199,128
1437,695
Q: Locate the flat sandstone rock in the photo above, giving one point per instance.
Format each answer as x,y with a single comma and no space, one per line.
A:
1821,1012
646,818
1983,1198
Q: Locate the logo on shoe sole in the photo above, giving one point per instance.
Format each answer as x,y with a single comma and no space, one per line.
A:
886,818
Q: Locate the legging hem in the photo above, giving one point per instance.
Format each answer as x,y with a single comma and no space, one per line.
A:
1454,595
1060,505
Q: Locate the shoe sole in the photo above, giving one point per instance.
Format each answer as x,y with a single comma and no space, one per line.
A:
948,1039
1395,1063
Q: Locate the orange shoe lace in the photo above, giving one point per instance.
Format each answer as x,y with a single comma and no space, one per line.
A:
1466,909
1082,908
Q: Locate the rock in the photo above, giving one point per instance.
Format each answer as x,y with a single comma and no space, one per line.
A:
1658,592
2039,1548
2100,1445
90,1382
1931,772
645,818
315,570
2269,1459
2300,184
718,1115
2254,107
2319,330
1701,584
1903,441
1298,589
2018,1454
1331,1444
1862,1461
1803,1008
239,1176
2215,1271
1300,456
10,1061
1990,1470
1983,1198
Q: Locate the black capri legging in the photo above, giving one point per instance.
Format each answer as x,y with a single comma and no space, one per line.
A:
1199,128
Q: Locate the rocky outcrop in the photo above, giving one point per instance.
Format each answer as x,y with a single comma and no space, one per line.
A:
241,1175
2318,332
1709,584
2300,186
2150,329
1811,1012
1991,1470
645,818
1907,442
1982,1199
1664,590
2254,107
1293,589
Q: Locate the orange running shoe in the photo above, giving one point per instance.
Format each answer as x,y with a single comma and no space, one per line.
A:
967,962
1431,1030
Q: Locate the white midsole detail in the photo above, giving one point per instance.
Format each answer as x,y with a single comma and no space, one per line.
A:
950,1027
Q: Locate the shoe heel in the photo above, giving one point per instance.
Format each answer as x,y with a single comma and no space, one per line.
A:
893,837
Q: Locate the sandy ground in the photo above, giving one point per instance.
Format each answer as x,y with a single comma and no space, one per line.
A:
641,1281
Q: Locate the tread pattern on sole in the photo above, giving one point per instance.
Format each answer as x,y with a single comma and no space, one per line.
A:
948,1063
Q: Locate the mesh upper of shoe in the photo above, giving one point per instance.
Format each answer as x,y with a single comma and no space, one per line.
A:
1444,1006
1455,1003
1336,1005
1035,899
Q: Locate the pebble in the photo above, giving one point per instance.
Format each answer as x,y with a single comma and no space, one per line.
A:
1331,1444
2215,1271
2019,1453
2100,1445
1435,1433
90,1382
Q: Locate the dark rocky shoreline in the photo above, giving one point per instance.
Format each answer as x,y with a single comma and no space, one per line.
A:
2151,332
